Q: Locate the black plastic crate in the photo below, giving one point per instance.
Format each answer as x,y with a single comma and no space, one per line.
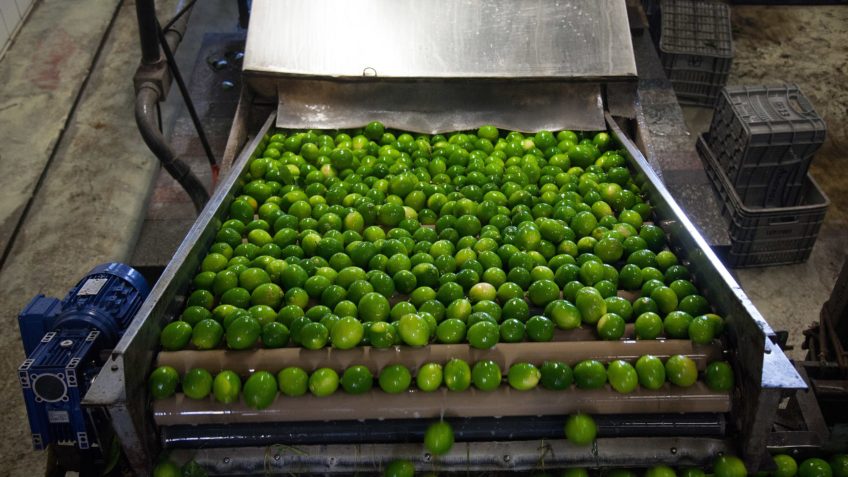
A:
696,48
764,236
780,185
762,126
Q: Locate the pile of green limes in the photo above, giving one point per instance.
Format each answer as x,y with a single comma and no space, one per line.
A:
369,237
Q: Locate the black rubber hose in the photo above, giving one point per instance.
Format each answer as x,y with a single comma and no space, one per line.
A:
146,103
148,31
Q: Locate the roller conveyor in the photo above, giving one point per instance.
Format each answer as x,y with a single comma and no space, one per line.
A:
344,433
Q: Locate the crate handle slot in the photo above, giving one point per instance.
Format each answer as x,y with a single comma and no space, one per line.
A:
787,220
800,104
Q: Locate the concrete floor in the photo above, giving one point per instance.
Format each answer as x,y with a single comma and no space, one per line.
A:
75,176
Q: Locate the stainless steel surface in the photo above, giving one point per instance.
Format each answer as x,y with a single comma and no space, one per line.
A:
470,456
575,39
121,386
436,107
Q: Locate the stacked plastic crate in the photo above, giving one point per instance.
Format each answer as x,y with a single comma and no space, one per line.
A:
696,48
757,153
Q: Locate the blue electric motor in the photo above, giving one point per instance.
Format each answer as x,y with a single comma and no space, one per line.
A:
64,342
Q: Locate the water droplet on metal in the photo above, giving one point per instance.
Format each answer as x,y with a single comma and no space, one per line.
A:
227,85
369,71
220,64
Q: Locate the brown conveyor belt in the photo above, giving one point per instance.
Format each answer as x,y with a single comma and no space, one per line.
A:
504,401
505,354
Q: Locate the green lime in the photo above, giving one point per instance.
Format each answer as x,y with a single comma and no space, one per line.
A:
323,382
676,324
243,332
263,314
482,291
691,472
719,376
590,374
175,335
651,372
252,278
512,331
620,306
564,314
555,375
314,335
457,375
591,305
166,468
203,298
238,297
451,331
399,468
523,376
681,370
610,327
729,466
591,272
483,335
630,277
381,334
644,304
580,429
275,335
163,382
648,326
622,376
814,467
357,380
414,330
195,314
292,381
665,299
226,387
540,328
395,379
694,305
429,377
438,439
346,333
486,375
839,465
701,330
543,292
660,471
516,308
374,307
207,334
204,280
260,389
786,466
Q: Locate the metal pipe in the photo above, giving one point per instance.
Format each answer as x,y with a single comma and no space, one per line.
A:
145,117
503,401
412,430
148,31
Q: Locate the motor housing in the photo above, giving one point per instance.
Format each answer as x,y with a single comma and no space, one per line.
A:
65,341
